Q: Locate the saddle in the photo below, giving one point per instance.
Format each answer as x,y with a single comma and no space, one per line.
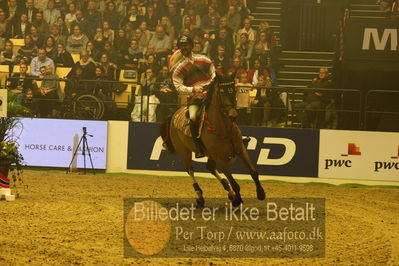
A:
181,120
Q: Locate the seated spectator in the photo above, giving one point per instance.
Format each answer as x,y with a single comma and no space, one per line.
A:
203,39
55,33
143,38
48,96
41,25
266,61
245,46
109,69
51,82
247,29
75,86
113,56
92,17
7,57
111,15
169,29
62,27
146,102
167,95
71,14
98,39
270,37
234,18
37,38
195,19
5,25
151,17
150,62
221,61
174,16
21,82
133,53
76,43
161,44
121,43
21,27
312,108
63,58
225,40
50,14
108,33
40,60
132,17
50,47
237,69
82,23
92,51
31,10
206,20
30,102
87,64
262,102
28,51
245,95
255,71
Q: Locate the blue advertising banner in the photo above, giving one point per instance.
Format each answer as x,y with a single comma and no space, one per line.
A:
274,151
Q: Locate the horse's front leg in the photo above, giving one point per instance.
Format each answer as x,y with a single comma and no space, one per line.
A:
187,161
197,188
260,193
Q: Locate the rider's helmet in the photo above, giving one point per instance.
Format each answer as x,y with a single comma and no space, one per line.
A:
184,40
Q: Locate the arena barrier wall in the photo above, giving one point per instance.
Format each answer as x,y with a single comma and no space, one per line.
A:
275,151
359,155
49,142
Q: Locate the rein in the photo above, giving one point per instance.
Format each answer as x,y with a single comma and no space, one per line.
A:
223,88
211,129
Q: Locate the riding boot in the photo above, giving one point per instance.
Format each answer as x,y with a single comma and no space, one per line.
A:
199,153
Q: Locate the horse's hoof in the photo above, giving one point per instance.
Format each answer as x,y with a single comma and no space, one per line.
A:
236,202
200,202
261,194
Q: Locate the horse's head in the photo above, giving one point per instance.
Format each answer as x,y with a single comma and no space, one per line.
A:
225,85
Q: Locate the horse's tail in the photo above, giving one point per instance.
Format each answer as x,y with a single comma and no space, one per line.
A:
167,142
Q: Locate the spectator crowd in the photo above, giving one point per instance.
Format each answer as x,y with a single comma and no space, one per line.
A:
98,39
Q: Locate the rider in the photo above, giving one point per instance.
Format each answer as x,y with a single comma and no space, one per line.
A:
190,73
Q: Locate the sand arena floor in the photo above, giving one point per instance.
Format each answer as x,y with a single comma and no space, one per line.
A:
78,219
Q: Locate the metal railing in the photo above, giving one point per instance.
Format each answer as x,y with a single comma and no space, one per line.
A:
381,110
353,109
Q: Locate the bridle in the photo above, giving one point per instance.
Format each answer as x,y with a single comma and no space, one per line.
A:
227,88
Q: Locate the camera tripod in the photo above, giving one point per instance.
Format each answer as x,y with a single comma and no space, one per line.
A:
85,148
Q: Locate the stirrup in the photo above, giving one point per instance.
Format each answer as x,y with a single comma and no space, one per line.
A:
199,154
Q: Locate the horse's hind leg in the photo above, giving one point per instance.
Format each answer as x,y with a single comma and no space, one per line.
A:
211,166
260,193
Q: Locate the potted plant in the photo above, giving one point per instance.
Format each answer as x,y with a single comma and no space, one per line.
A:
11,160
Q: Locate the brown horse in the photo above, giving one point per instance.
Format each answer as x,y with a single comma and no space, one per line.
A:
221,138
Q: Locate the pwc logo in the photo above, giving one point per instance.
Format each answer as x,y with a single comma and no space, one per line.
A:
353,150
392,165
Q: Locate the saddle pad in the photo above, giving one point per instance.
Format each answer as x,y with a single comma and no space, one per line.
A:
181,122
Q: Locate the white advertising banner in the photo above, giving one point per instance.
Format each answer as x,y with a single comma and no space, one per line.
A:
359,155
49,142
